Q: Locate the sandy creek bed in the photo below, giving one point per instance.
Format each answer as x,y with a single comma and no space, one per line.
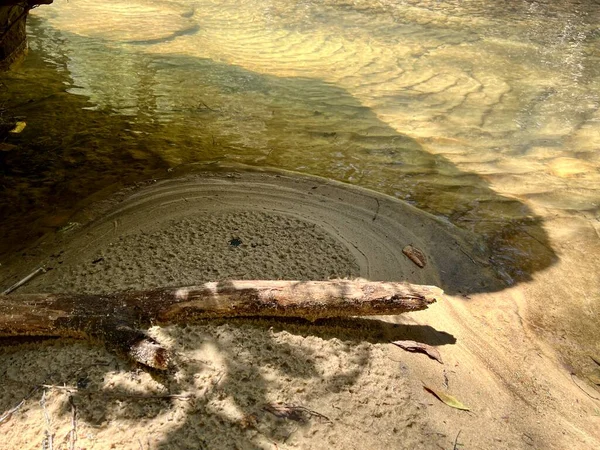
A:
261,224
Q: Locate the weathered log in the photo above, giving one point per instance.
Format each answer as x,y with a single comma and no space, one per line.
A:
117,319
13,36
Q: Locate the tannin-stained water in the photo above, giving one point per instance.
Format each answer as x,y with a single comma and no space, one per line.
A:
484,113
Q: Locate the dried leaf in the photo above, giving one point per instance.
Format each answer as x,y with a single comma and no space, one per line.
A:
447,399
415,255
596,360
413,346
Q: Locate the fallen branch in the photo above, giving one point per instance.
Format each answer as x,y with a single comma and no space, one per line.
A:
117,319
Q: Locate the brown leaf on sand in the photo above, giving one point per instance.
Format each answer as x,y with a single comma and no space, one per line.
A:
415,255
595,359
447,398
413,346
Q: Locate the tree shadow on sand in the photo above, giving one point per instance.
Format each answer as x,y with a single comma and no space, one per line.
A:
221,388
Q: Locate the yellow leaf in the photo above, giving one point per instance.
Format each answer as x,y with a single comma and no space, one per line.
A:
447,399
19,126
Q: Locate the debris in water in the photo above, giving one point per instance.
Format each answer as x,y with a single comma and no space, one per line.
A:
19,126
415,255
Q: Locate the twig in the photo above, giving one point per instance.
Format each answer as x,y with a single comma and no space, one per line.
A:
73,437
206,106
213,385
74,390
293,412
48,442
456,444
468,256
8,414
20,283
377,210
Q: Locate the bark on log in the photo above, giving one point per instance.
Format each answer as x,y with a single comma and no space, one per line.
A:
116,319
13,36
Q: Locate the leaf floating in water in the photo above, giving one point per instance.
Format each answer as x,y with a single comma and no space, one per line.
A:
19,126
415,255
413,346
447,399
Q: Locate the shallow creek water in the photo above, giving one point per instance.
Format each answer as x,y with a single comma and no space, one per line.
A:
485,113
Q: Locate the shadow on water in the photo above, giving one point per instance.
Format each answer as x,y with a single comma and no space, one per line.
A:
71,154
167,111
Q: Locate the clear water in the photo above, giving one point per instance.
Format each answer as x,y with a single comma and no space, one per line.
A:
483,112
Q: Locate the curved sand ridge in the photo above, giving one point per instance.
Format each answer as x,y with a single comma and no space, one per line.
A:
248,225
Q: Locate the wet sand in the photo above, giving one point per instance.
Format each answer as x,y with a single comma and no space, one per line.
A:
265,224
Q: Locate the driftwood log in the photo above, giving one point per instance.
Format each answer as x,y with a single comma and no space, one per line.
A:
118,319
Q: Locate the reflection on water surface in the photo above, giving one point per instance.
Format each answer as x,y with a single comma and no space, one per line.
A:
484,113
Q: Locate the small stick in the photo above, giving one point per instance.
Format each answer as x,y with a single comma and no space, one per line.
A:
48,442
8,414
73,437
20,283
206,106
74,390
213,385
456,444
468,256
